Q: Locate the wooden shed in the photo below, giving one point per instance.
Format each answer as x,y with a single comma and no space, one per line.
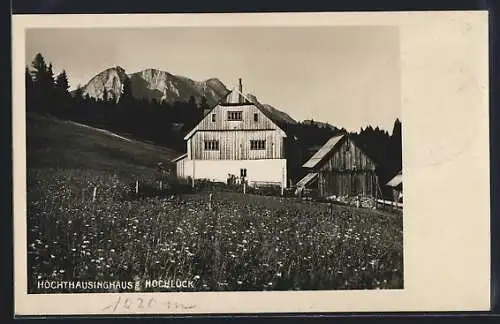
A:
340,168
396,183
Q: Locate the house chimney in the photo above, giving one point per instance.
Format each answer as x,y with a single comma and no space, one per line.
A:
240,88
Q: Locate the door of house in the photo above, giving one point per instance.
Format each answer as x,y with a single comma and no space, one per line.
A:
243,175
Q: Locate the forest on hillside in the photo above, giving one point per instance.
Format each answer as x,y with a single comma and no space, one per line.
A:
166,124
162,123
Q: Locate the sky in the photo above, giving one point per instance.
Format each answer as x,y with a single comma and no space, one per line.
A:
348,76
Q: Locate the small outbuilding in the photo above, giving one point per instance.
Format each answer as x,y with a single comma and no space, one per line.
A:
340,168
396,183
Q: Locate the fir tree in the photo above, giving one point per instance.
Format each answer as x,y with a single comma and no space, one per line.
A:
396,145
203,106
126,97
29,89
39,68
62,84
43,85
61,95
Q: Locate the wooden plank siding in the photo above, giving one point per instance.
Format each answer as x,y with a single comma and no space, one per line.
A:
347,183
221,121
233,136
235,145
347,171
341,159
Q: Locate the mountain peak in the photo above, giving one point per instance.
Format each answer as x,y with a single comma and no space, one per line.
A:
161,85
114,69
153,71
109,81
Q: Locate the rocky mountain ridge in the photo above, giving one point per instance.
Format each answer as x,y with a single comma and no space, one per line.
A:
154,84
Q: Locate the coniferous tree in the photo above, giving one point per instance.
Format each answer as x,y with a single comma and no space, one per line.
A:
43,84
203,106
28,89
78,94
126,97
77,103
52,105
62,84
192,101
62,96
126,104
50,76
396,145
39,68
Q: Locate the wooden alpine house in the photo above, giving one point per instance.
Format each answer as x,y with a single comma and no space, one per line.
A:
236,138
340,169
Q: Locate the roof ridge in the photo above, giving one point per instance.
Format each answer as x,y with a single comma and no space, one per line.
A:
255,103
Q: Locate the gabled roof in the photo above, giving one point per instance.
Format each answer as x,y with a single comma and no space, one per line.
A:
396,181
234,92
266,112
322,152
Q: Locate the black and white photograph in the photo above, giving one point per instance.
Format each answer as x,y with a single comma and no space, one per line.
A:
214,159
174,156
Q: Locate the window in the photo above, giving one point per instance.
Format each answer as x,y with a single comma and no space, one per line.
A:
211,145
234,115
243,173
213,118
255,117
257,145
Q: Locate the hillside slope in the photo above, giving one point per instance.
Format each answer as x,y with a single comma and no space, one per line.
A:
57,144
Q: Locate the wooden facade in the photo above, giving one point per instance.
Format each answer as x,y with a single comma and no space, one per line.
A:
236,135
236,145
222,118
230,129
343,169
347,183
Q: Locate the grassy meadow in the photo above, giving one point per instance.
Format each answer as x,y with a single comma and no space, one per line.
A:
243,242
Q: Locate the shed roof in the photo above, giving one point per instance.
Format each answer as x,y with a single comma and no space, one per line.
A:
307,179
397,180
180,157
322,152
